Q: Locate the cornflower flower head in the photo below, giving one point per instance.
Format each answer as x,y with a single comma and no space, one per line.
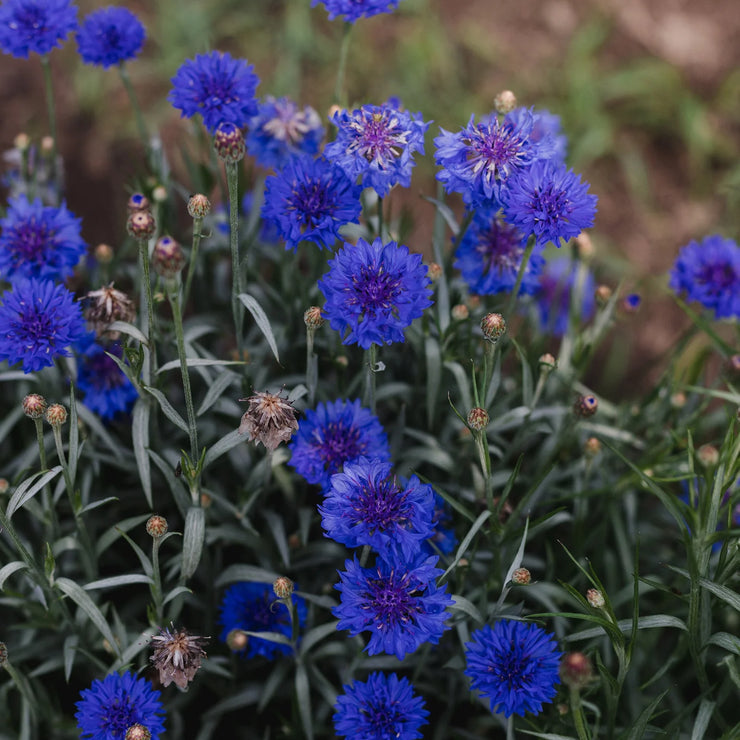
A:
38,321
376,143
332,435
374,291
547,130
399,603
708,272
218,87
549,202
513,664
490,254
281,130
310,200
36,26
382,707
352,10
366,504
554,294
253,607
39,241
110,36
109,707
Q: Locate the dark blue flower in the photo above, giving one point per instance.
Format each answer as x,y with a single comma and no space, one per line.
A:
218,87
709,272
513,664
106,390
281,130
377,143
39,241
549,202
35,25
109,707
382,707
353,10
555,292
38,321
399,603
366,504
310,200
110,36
374,291
332,435
546,132
253,607
490,254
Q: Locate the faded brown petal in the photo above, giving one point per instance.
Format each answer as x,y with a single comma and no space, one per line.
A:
177,656
269,419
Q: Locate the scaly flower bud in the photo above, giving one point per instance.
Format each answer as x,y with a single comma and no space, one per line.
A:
237,640
708,455
602,294
199,206
478,419
313,318
34,406
585,406
103,254
504,102
521,576
56,415
283,587
168,259
460,312
229,143
592,447
493,326
595,598
156,526
576,671
547,363
434,271
141,225
138,202
137,732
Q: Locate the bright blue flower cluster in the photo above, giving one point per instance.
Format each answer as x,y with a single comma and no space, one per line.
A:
109,707
281,130
39,241
39,320
110,36
381,707
374,291
708,272
253,607
376,143
310,200
352,10
334,434
218,87
513,664
36,26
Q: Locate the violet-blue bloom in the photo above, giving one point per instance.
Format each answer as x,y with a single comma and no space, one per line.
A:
310,200
352,10
39,241
374,291
36,26
218,87
110,36
399,603
546,132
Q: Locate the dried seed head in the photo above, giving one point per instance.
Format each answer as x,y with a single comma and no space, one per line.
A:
269,419
478,419
177,656
585,406
34,406
521,576
576,671
56,415
283,587
168,259
460,312
504,102
156,526
493,326
141,225
595,598
138,202
137,732
199,206
313,318
103,254
229,143
106,305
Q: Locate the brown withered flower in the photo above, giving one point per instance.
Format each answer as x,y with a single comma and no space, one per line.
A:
177,655
104,306
270,419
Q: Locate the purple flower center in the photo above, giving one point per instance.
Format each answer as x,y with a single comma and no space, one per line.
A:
289,125
117,717
378,138
719,276
500,248
260,615
493,150
392,600
30,240
383,719
340,444
550,204
312,203
380,504
30,18
375,289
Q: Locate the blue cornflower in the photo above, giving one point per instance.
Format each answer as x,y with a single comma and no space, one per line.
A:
353,10
281,130
218,87
253,607
377,143
478,159
38,321
382,707
35,25
399,603
110,36
546,131
490,254
554,295
106,390
366,504
332,435
310,200
109,707
39,241
709,273
513,664
549,202
374,291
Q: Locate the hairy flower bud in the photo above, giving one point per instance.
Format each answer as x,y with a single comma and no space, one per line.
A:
168,259
199,206
585,246
547,363
4,485
460,312
156,526
141,225
576,671
229,143
138,202
283,587
103,254
237,640
56,415
493,326
595,598
521,576
602,294
434,271
159,194
708,455
504,102
478,419
34,406
313,318
585,406
137,732
592,447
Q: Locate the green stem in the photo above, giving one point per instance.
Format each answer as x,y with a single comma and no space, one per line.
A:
193,262
520,276
49,509
489,361
232,180
312,367
339,96
484,456
49,89
146,278
579,720
143,135
370,360
156,587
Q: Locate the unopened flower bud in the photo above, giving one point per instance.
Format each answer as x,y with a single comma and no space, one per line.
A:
547,363
137,732
460,312
313,318
47,146
434,271
138,202
22,141
333,110
474,302
504,102
283,587
478,419
103,254
229,143
708,455
4,485
585,406
563,709
237,640
156,526
3,654
141,225
602,294
585,246
576,671
493,326
678,400
159,194
168,259
521,576
631,303
199,206
56,415
592,447
205,500
595,598
34,406
342,361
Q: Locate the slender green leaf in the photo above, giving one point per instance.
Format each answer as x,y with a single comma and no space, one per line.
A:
7,570
140,438
29,488
115,581
303,697
167,408
260,318
192,540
